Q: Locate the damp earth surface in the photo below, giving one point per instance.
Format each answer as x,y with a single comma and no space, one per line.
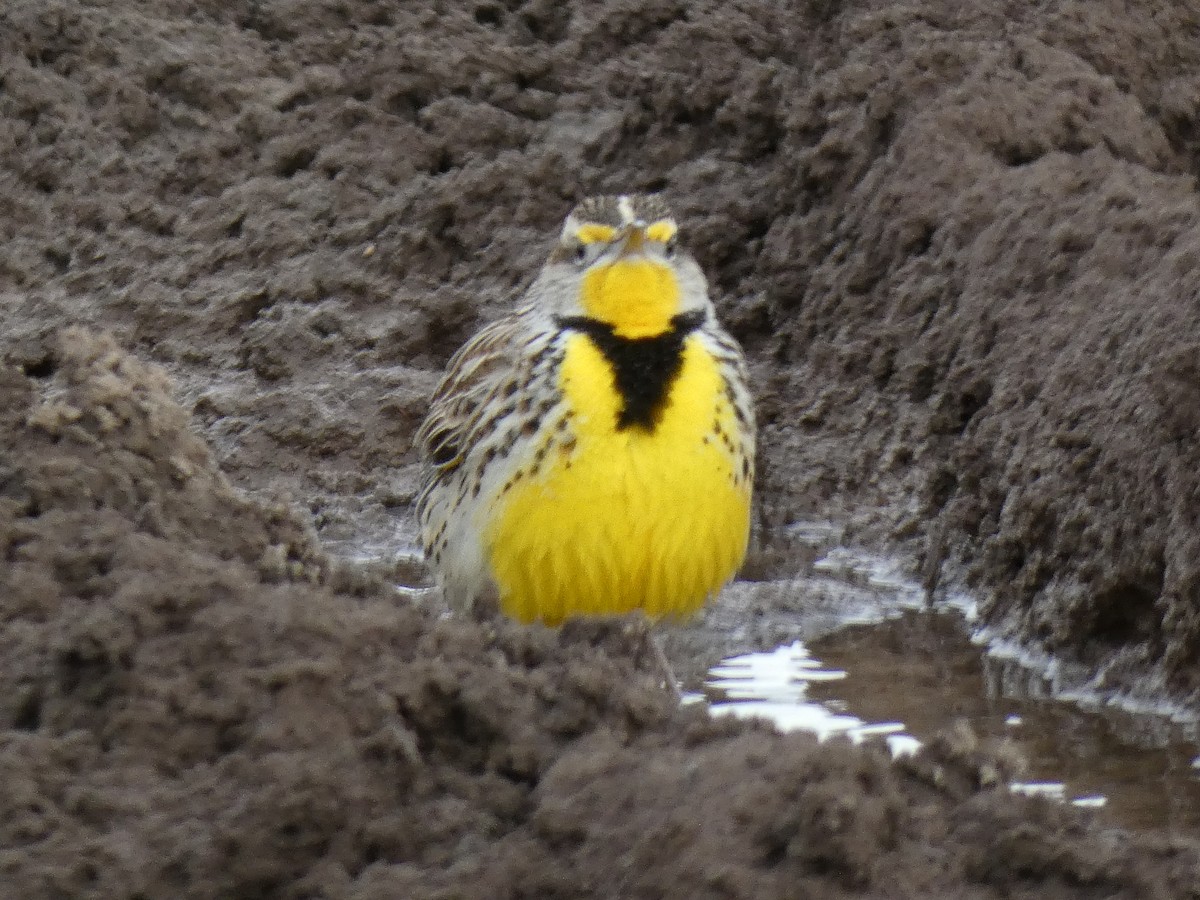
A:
959,242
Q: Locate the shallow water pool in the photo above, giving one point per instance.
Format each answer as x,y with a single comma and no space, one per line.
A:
866,659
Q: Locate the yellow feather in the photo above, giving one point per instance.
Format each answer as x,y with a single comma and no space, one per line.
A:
628,519
662,231
595,234
637,296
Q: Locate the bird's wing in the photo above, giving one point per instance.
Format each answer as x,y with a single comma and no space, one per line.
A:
486,369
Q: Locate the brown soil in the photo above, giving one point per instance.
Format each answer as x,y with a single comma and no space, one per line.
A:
958,240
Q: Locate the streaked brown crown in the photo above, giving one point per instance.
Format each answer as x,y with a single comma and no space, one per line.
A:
618,210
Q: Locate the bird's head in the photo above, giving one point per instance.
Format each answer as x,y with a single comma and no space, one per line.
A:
619,262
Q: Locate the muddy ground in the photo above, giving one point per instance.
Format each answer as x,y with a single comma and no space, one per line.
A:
959,241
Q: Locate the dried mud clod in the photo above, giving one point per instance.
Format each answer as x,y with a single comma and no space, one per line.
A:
960,763
106,434
177,720
957,240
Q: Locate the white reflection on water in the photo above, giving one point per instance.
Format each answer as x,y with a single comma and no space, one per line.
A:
774,686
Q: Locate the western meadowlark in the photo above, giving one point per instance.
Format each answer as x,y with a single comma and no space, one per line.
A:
592,453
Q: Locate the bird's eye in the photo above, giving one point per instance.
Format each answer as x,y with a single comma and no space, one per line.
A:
580,254
671,248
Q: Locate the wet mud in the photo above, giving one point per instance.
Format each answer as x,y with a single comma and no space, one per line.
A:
1140,768
959,242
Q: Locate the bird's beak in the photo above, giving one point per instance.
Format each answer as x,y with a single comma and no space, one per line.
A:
633,238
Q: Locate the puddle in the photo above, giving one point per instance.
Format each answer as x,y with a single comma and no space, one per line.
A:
875,664
775,685
836,642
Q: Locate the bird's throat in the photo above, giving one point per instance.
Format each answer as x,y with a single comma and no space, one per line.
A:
636,297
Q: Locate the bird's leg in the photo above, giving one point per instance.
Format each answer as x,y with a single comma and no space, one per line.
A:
664,666
639,629
630,636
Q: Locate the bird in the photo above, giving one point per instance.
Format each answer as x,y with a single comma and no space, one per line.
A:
592,452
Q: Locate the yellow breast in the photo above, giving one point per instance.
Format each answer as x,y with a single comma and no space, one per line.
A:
619,519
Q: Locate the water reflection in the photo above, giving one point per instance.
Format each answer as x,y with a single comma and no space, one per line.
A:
774,685
905,672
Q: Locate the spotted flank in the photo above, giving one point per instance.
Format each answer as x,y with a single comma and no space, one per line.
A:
593,452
